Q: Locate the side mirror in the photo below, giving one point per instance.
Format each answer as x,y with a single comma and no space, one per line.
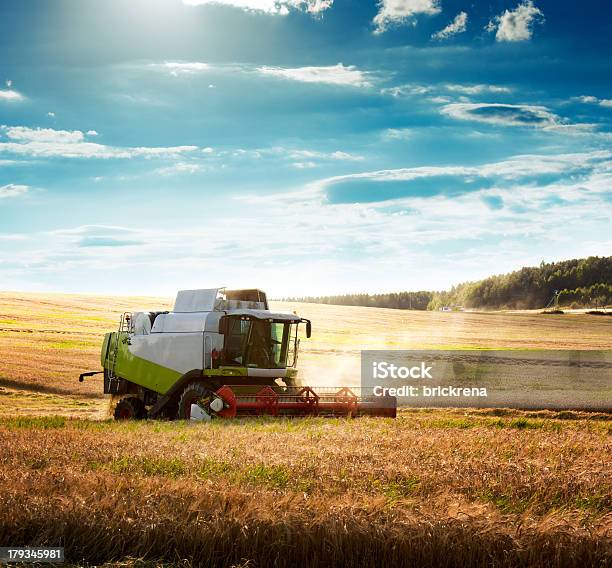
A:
308,329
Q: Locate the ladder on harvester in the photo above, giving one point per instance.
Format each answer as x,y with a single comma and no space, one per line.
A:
125,326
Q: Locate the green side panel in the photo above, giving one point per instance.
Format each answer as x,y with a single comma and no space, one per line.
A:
143,372
151,375
104,351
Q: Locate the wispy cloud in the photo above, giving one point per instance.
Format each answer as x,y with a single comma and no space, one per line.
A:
397,134
88,236
297,157
12,190
280,7
177,68
398,12
457,26
50,143
517,24
108,242
312,154
9,94
505,114
475,89
525,168
587,99
463,89
333,74
180,168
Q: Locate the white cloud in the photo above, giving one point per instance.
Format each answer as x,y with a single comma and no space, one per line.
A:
517,24
179,168
333,75
10,95
397,12
301,158
397,134
476,89
466,89
12,190
280,7
505,114
344,156
338,74
176,68
457,26
587,99
520,167
304,165
26,134
407,90
312,154
440,100
51,114
50,143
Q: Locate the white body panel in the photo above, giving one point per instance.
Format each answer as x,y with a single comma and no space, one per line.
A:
181,352
196,300
141,322
180,323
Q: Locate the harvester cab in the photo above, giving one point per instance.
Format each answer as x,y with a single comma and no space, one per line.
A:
218,353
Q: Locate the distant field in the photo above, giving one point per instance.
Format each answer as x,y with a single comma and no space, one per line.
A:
447,488
47,340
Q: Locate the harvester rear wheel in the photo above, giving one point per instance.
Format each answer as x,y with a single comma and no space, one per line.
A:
191,395
130,408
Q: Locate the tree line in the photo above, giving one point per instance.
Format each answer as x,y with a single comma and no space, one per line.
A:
583,282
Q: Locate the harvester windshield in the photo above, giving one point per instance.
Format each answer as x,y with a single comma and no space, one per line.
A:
257,343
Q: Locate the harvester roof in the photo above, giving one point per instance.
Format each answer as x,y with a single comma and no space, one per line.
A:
265,315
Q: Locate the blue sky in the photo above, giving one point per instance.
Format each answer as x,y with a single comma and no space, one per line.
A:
303,146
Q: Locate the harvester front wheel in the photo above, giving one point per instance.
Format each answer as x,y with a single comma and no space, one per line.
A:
130,408
191,395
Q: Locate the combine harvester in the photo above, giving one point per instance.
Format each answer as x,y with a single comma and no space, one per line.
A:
219,353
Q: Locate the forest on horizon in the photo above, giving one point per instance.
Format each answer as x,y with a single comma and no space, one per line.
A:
577,283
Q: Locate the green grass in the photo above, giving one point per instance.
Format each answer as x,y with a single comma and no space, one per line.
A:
210,467
274,476
396,490
148,466
71,344
453,423
37,422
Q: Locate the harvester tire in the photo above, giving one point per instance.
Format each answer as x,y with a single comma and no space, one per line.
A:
191,394
130,408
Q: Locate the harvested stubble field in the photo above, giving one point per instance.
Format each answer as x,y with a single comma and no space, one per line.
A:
431,488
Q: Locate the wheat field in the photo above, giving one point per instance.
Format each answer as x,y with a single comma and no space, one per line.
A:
441,487
47,340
